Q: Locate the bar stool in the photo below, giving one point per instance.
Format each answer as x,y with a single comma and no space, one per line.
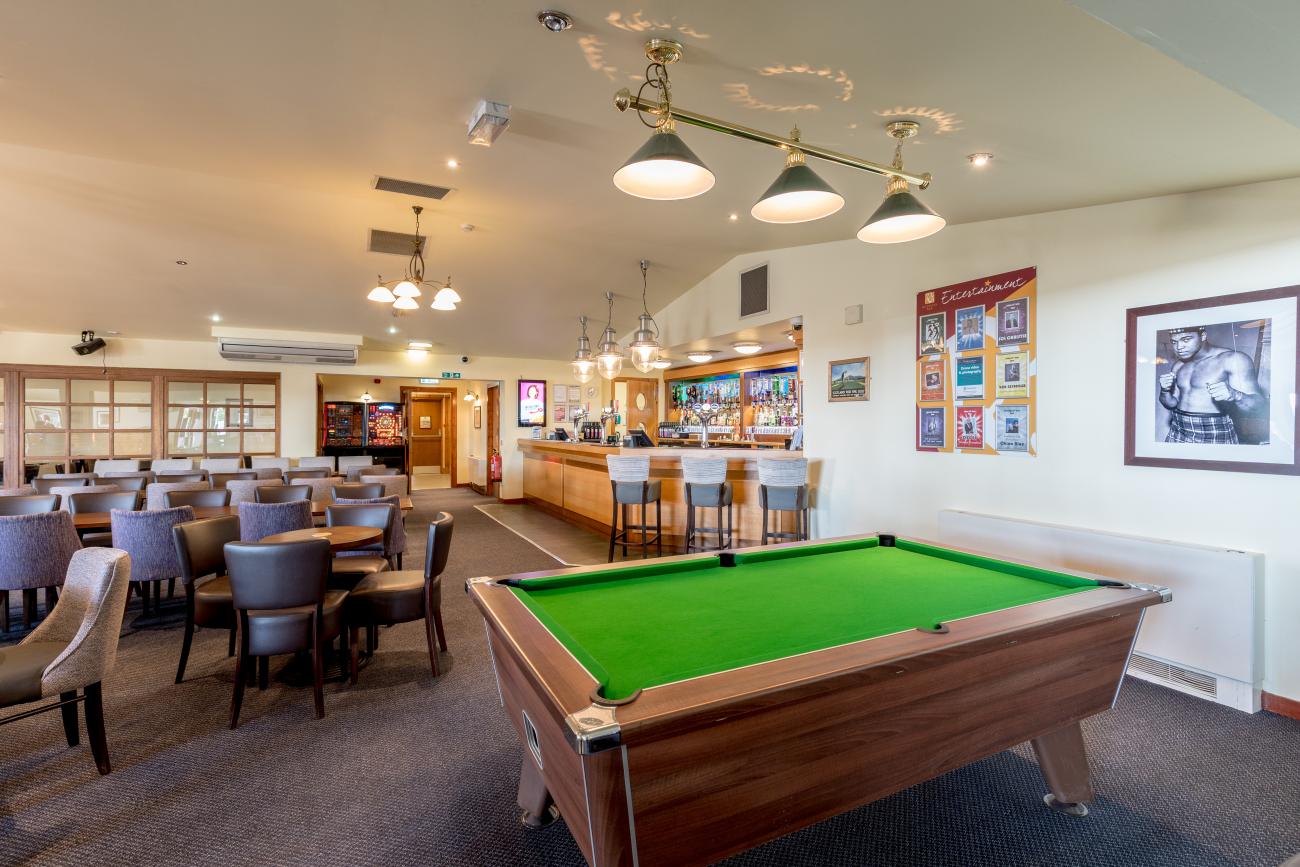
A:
707,488
783,487
629,480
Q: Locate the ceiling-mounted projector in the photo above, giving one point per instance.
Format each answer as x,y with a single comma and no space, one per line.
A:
89,343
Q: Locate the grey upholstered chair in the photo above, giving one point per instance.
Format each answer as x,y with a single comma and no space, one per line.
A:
172,465
280,465
37,549
385,598
65,492
183,478
29,505
281,493
20,491
783,487
127,481
200,550
259,520
394,483
221,465
244,490
283,606
147,537
155,496
325,461
631,485
203,498
74,649
116,466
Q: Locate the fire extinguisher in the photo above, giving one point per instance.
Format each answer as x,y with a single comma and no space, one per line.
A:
494,466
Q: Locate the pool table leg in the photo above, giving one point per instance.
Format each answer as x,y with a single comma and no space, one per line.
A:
534,799
1064,765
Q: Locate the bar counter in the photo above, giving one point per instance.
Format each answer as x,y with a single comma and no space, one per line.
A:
571,480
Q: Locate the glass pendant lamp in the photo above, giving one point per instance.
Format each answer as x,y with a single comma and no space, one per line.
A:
609,357
584,366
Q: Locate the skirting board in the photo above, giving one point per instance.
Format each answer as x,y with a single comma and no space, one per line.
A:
1281,705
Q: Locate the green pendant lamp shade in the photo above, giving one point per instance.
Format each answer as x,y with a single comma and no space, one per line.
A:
797,195
664,168
900,217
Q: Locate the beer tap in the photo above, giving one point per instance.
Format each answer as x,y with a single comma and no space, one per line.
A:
707,412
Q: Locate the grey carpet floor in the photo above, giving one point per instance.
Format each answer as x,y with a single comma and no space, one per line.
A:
406,770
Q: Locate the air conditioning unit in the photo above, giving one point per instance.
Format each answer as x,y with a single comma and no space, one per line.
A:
286,351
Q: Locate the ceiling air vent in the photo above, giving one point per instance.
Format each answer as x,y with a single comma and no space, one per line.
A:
412,188
286,351
753,291
384,241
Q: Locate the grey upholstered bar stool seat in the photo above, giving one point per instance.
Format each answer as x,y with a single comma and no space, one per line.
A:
629,481
707,488
783,487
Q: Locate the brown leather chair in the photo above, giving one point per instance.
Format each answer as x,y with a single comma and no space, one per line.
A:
368,559
219,479
385,598
208,499
42,484
381,471
30,505
305,473
137,482
201,549
282,606
101,501
358,492
281,494
177,478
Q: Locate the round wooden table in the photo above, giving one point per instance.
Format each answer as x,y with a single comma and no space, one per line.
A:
340,538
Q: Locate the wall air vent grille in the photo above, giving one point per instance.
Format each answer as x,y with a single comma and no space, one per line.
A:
400,243
1184,678
412,188
753,291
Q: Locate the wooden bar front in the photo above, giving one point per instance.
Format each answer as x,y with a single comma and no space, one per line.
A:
571,480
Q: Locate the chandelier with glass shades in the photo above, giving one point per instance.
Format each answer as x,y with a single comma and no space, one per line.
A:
402,293
665,168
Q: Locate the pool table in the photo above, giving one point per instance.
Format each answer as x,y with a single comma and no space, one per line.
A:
682,710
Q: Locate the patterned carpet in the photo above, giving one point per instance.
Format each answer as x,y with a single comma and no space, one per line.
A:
405,770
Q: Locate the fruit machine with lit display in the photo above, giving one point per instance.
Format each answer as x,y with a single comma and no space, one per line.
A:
386,434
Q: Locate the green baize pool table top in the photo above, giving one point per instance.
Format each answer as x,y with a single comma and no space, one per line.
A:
644,626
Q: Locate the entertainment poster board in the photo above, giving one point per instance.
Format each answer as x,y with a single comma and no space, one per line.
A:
977,366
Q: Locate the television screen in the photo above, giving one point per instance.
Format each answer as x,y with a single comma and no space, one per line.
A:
532,403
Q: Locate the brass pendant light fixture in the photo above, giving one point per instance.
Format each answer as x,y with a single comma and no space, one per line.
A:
665,168
402,295
901,217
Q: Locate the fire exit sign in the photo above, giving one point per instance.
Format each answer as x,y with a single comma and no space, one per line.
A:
450,374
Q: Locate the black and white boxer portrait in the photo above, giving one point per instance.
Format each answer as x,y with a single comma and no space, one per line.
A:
1208,384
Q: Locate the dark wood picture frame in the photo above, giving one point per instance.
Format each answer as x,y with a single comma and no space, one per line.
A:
1134,314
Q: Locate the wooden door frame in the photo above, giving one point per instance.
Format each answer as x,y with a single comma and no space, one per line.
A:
492,393
449,401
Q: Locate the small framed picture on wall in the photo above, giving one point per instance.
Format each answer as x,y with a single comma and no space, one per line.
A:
478,416
1210,384
849,379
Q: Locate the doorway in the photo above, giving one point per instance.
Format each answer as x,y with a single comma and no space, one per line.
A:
431,441
641,407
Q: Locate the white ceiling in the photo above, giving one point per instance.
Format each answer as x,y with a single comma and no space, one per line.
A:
243,137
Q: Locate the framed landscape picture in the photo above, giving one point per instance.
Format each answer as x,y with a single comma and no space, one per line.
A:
850,379
1210,383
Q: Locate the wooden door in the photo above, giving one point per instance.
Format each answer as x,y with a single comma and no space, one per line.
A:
493,432
642,405
428,432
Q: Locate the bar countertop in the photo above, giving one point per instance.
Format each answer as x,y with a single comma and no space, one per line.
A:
656,454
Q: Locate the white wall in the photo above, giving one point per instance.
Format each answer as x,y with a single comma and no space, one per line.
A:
1093,264
298,381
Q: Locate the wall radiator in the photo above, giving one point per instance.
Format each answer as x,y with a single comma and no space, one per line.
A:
1208,642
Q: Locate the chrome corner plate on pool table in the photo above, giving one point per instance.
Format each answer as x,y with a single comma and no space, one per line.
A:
681,710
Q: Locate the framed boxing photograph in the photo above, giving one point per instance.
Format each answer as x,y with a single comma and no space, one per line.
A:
1210,384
